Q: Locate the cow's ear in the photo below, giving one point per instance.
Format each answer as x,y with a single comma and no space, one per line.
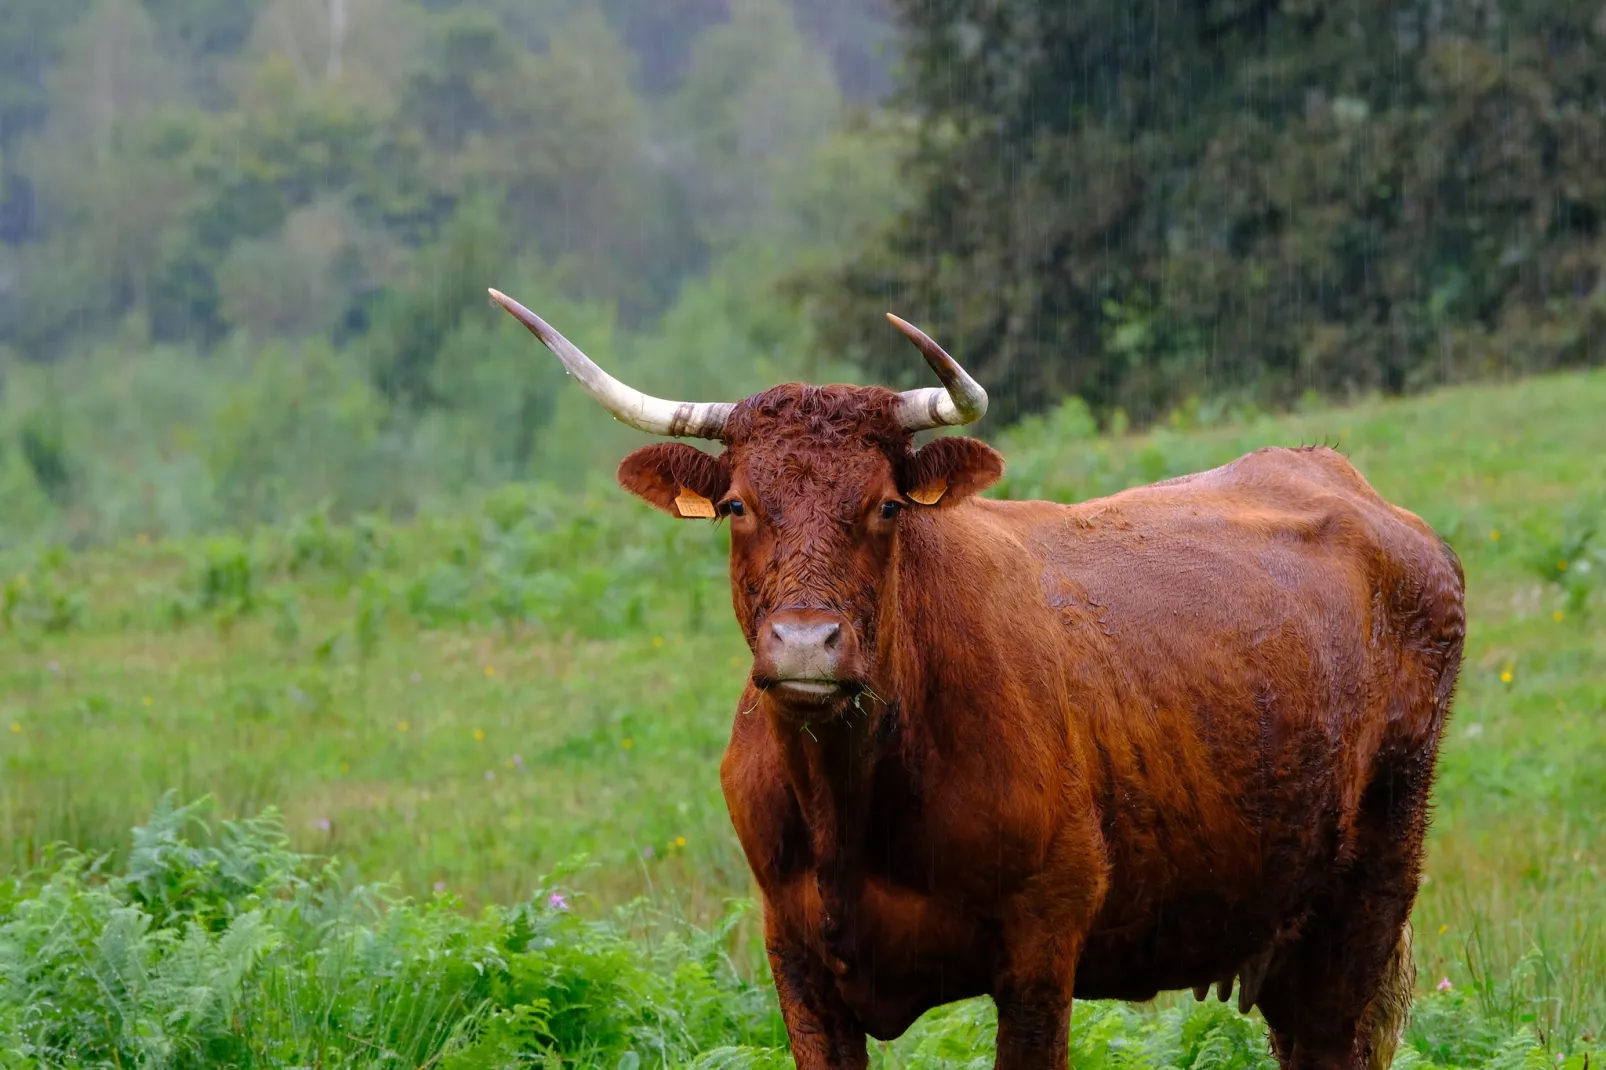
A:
951,469
678,479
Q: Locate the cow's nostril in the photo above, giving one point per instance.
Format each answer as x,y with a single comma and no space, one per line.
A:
833,636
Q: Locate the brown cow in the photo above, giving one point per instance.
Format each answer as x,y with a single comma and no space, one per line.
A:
1176,736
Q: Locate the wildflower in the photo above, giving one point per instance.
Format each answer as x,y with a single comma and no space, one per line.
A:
479,735
657,640
440,886
489,775
16,727
1556,616
648,852
557,902
627,743
146,700
518,761
416,678
490,670
1494,536
402,726
1444,984
345,767
680,841
322,824
1561,566
1443,929
54,666
1505,676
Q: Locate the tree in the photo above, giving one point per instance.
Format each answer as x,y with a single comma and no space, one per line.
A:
561,138
758,100
102,173
1135,203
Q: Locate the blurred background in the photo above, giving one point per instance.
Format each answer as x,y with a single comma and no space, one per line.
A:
292,520
244,243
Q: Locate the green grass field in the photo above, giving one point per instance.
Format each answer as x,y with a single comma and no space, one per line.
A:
462,704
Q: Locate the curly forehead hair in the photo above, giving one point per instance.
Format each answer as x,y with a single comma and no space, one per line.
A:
825,415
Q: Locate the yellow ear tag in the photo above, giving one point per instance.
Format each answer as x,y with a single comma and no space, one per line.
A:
931,493
691,504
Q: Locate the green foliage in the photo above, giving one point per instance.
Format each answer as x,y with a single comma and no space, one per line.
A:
216,944
1136,204
299,169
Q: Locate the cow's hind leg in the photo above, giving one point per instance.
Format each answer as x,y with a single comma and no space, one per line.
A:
1338,996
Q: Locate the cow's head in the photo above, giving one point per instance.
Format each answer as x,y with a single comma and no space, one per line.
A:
816,483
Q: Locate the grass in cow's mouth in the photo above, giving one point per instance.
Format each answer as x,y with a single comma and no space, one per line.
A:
340,673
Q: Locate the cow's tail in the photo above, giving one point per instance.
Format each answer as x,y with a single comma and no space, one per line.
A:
1391,1005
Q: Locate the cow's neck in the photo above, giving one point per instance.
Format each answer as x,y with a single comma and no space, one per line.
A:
830,767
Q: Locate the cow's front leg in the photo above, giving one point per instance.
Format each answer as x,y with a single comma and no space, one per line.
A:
1033,996
825,1034
1044,929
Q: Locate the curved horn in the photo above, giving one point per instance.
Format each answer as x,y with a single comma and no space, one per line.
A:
680,419
960,400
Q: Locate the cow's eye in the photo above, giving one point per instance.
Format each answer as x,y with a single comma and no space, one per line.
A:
735,507
890,509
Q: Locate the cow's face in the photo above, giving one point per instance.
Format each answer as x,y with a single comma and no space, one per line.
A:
815,483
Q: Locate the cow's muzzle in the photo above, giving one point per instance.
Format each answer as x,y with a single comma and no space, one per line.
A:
806,655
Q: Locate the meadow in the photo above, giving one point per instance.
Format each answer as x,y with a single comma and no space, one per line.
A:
462,774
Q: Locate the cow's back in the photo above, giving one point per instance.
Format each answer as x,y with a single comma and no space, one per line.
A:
1242,646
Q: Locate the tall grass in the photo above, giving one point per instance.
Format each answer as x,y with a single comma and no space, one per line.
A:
217,945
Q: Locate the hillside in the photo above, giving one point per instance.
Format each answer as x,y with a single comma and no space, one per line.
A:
464,702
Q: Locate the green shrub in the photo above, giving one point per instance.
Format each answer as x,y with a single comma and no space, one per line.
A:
219,946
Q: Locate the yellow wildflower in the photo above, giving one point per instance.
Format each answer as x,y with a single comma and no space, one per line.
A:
402,726
1505,676
479,734
627,743
1494,536
16,726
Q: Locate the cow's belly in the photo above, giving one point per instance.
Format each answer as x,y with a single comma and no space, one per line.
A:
1182,944
1195,896
900,953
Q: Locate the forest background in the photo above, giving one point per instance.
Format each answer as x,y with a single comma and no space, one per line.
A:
244,243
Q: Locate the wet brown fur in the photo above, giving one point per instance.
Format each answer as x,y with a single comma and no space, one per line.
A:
1101,750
